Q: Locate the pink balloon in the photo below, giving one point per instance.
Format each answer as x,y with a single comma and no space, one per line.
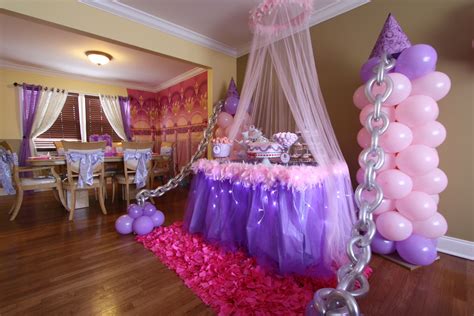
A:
360,175
417,110
390,111
435,84
393,226
431,134
417,206
224,119
397,137
417,160
434,227
435,198
395,184
385,206
434,182
389,163
401,90
220,132
363,138
359,98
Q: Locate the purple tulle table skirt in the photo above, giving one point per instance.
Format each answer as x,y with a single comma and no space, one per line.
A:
281,227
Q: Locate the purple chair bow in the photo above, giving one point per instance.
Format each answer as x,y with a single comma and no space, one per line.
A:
87,162
142,157
7,159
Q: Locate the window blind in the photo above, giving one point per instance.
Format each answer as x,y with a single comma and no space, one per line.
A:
97,122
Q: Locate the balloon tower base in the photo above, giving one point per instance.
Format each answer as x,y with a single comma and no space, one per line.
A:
394,257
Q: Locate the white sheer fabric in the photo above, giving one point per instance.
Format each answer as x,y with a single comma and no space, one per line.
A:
49,107
111,108
281,82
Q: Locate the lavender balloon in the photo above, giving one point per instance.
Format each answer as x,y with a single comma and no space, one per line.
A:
142,225
381,245
158,218
149,209
231,104
135,210
416,61
367,70
123,224
417,250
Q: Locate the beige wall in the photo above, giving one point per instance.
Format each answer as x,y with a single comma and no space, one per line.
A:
343,44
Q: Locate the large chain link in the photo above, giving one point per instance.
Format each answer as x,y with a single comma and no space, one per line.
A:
352,283
145,194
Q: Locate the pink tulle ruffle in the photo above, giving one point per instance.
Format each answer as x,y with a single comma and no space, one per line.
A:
296,177
229,282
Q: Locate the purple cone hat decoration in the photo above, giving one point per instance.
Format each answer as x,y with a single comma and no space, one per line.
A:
232,90
391,40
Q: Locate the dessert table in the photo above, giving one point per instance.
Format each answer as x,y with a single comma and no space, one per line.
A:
277,214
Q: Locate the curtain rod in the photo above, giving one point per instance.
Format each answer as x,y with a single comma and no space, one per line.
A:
16,84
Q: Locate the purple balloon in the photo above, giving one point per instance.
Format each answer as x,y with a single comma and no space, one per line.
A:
123,224
142,225
149,209
158,218
416,61
135,210
381,245
417,250
367,69
230,104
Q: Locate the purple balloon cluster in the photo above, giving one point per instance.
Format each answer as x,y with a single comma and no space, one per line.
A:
140,220
408,220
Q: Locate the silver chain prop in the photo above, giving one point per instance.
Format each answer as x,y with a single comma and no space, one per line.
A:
145,194
352,283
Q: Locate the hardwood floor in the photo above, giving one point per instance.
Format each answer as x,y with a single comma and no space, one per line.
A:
50,266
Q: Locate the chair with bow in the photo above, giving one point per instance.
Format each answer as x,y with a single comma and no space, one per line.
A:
137,166
85,170
13,183
165,165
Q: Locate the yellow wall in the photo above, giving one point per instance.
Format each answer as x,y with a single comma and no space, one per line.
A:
342,44
9,117
72,14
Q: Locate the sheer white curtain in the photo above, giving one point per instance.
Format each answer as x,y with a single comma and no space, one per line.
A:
49,107
281,87
111,107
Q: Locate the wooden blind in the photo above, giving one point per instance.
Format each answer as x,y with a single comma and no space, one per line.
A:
97,122
66,125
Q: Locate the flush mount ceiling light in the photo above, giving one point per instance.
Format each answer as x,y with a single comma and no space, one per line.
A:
98,58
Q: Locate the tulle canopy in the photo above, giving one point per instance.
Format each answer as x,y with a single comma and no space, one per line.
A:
281,92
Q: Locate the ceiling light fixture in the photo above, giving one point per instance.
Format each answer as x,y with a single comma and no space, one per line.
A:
98,58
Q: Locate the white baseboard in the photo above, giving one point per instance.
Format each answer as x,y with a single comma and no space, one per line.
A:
456,247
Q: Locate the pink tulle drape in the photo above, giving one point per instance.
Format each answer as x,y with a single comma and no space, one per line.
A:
281,92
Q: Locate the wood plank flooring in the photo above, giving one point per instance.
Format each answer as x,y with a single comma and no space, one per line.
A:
50,266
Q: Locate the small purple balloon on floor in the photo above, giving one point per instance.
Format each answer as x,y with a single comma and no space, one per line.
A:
158,218
142,225
149,209
135,210
417,250
123,224
381,245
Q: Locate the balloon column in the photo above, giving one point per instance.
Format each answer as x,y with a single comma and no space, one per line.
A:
407,220
140,220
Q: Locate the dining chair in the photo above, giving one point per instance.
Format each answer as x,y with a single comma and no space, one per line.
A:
21,184
85,170
137,165
165,164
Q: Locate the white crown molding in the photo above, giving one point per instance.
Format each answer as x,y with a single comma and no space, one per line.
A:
56,73
456,247
179,78
319,16
130,13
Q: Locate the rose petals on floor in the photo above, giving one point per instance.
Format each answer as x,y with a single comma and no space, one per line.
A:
230,282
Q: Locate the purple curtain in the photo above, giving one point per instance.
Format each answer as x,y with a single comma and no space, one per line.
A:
125,111
31,95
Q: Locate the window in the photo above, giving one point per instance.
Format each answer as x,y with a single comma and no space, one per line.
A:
96,121
68,125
